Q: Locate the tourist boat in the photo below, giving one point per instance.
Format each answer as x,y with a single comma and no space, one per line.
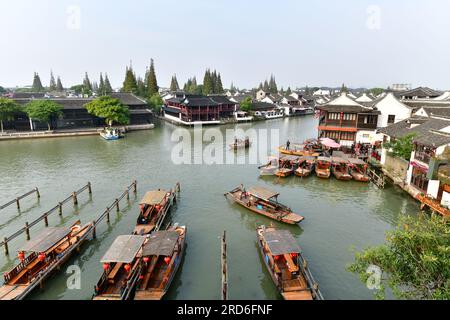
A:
287,266
340,168
111,134
305,166
313,145
269,168
274,114
287,166
264,202
121,268
153,209
358,170
161,258
46,253
297,149
241,144
323,167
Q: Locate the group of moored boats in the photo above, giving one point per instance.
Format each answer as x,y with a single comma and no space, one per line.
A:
304,159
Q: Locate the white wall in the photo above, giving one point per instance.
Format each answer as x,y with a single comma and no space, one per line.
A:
389,105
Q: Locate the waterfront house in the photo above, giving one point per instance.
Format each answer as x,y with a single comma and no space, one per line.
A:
346,121
364,98
261,94
392,110
418,93
290,100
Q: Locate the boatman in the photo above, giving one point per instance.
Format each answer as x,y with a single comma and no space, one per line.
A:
288,143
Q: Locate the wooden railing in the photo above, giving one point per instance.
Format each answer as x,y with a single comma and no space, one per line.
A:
17,200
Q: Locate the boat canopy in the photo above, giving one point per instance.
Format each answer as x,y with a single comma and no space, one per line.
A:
281,242
124,249
323,159
262,193
289,158
339,154
338,160
161,243
46,239
330,143
153,197
356,161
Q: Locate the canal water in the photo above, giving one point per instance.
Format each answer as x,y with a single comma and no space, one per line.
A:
339,216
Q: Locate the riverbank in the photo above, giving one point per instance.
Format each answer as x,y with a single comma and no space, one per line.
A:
69,132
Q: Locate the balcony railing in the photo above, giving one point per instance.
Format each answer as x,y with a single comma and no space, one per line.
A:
422,156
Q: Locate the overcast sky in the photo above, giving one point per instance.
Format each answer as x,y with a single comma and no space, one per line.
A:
358,42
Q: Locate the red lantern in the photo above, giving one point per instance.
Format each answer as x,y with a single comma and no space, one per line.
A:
293,255
141,277
167,260
158,207
127,267
41,257
146,259
21,256
276,258
106,266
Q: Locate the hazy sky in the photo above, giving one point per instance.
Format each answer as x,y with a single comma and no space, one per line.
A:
359,42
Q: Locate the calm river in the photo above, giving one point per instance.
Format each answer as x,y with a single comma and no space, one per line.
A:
339,216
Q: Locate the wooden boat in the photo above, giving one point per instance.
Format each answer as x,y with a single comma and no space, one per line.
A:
241,144
47,252
296,149
153,209
287,266
340,168
287,166
358,170
111,134
121,268
323,167
270,168
264,202
162,256
305,166
313,145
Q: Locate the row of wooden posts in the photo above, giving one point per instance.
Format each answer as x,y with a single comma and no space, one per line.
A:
17,200
224,267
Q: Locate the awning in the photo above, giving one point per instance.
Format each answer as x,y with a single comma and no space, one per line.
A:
262,193
281,242
153,197
419,166
124,249
161,243
46,239
330,143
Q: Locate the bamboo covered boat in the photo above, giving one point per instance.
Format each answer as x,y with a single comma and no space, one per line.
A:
287,266
153,209
358,170
241,144
162,256
121,268
340,168
287,166
270,167
323,167
264,202
47,252
305,166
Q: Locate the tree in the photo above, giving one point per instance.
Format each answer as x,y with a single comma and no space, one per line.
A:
266,86
43,110
152,83
52,86
272,85
401,147
87,84
288,91
8,108
219,86
376,91
156,102
59,86
2,90
208,85
37,84
344,89
110,109
101,86
415,261
247,104
130,83
141,89
174,83
108,88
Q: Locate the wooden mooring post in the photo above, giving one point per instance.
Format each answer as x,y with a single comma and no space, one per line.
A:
224,267
17,200
378,179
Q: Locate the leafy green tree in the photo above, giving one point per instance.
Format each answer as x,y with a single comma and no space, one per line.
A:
8,108
130,83
43,110
59,86
141,89
376,91
401,147
52,86
247,104
37,84
108,88
415,261
156,102
110,109
174,83
152,83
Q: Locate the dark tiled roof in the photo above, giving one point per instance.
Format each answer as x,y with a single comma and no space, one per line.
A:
433,138
442,112
262,106
199,102
426,103
355,109
28,95
421,128
128,98
221,99
421,92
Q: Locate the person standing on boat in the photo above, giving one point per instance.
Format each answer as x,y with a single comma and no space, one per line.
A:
288,143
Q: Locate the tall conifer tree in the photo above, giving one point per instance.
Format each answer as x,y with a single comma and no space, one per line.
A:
108,88
37,84
152,83
59,86
52,86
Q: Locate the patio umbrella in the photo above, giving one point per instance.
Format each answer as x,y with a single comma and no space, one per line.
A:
330,143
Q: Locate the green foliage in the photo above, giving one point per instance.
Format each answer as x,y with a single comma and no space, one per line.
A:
8,108
401,147
59,86
376,91
110,109
192,87
174,83
288,91
415,260
156,102
37,84
87,83
52,86
141,88
272,85
108,88
152,83
208,85
247,104
81,89
344,89
43,110
130,83
2,90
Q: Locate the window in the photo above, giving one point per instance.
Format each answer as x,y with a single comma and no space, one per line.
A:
391,118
